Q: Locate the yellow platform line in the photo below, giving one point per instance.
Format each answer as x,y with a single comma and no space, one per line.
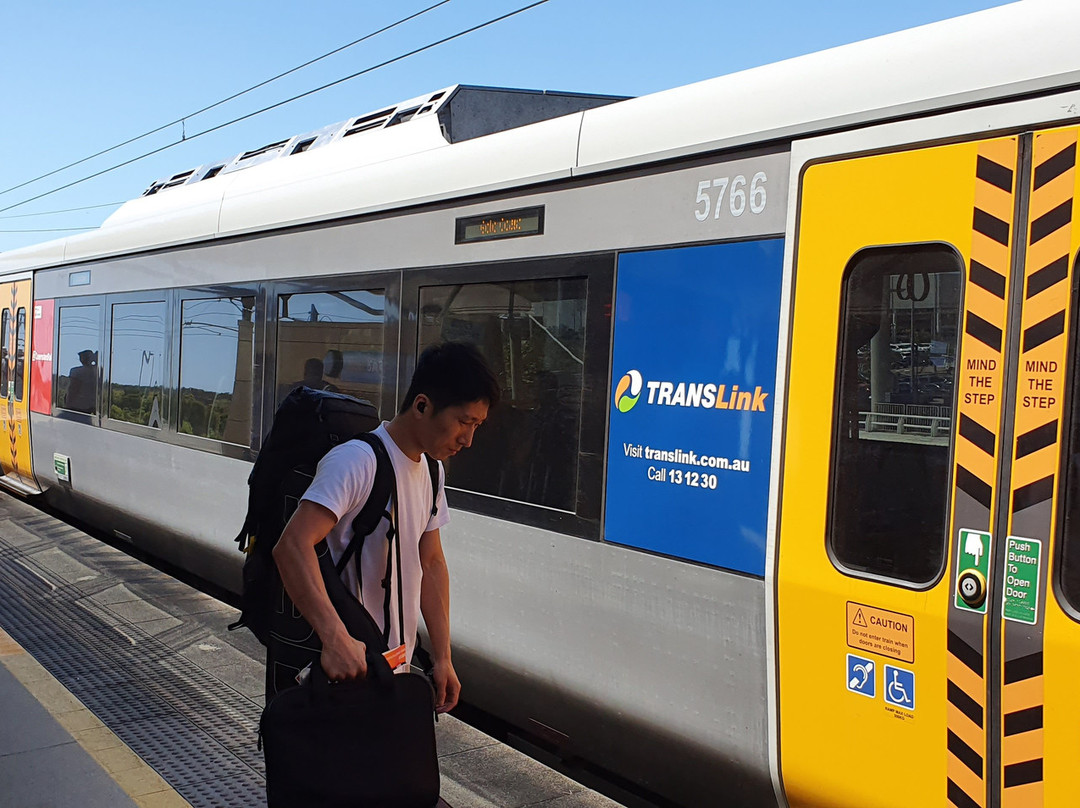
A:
146,787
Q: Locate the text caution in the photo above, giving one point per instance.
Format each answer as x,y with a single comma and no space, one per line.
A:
881,632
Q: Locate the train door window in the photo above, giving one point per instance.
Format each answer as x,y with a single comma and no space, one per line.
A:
894,417
80,342
333,341
5,351
137,363
20,352
216,365
1068,583
532,332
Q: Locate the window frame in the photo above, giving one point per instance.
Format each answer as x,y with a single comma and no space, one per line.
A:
175,348
1069,431
832,507
5,351
598,270
20,369
388,281
167,431
56,410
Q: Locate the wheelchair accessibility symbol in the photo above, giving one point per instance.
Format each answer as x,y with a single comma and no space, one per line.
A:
861,676
900,687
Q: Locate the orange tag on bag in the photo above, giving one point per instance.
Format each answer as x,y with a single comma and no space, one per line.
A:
395,656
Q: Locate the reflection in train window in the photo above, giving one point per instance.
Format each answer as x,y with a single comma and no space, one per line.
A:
533,335
20,352
332,341
137,363
5,352
216,360
897,368
80,341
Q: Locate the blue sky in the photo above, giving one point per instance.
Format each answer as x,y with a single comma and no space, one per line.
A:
80,77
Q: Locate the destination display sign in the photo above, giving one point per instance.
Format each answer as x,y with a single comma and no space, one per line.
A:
493,226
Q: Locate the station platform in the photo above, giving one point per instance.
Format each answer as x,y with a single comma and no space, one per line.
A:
120,686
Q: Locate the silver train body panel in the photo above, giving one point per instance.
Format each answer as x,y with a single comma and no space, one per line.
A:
647,665
636,212
177,503
585,663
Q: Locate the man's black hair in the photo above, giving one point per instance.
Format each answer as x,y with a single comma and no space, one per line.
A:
450,374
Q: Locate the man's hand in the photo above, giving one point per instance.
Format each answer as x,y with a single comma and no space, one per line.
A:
344,658
447,687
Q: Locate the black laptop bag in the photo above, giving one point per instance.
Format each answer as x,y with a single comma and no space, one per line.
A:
359,744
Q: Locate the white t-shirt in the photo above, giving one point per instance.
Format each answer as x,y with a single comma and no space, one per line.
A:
342,484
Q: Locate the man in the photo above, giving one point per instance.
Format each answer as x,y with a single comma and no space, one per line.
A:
82,384
313,376
448,399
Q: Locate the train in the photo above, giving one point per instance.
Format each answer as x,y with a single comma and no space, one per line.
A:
779,507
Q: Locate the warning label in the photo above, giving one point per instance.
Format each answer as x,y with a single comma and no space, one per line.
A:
881,632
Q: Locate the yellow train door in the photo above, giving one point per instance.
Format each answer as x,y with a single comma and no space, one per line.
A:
891,475
928,578
16,311
1039,570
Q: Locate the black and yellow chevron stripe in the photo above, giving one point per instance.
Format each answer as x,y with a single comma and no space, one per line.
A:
12,421
1041,382
978,418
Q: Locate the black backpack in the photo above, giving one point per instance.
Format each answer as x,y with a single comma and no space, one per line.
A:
307,425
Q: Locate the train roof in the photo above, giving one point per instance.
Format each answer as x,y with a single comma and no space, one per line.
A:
431,149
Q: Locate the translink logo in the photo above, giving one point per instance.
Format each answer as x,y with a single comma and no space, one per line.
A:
687,394
628,392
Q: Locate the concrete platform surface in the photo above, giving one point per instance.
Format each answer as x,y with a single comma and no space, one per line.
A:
124,684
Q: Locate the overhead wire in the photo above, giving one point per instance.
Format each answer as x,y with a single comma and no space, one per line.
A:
63,210
234,96
52,229
327,86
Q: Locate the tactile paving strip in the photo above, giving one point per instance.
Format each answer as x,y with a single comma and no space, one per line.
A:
195,731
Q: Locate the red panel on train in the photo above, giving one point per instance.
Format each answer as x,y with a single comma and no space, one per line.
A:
41,357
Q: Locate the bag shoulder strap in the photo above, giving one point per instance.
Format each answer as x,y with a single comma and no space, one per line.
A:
376,507
433,472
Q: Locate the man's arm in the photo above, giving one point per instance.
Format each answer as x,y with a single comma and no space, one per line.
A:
435,606
294,554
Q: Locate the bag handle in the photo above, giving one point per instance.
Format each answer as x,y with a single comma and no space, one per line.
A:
379,673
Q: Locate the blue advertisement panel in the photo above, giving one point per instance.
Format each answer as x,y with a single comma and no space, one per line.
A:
694,370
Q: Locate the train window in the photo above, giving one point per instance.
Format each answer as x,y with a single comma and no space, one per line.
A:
1069,566
216,360
532,333
80,341
5,352
332,341
20,352
137,363
897,372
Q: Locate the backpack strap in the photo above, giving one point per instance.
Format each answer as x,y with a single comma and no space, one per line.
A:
377,505
382,503
433,472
